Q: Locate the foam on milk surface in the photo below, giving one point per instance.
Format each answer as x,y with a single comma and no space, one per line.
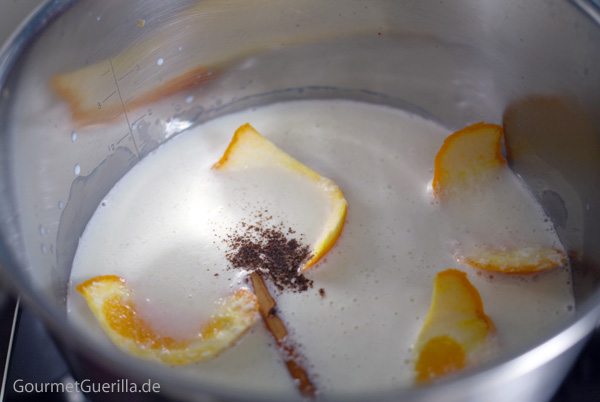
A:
160,228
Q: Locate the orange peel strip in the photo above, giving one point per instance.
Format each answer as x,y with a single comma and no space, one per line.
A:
455,327
515,261
91,93
466,158
248,149
110,300
440,356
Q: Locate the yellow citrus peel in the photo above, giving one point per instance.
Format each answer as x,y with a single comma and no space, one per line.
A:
470,158
92,96
110,300
249,149
456,327
466,159
515,260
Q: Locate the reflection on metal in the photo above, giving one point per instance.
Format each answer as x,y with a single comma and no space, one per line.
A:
9,350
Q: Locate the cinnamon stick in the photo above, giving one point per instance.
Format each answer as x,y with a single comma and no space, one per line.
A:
277,329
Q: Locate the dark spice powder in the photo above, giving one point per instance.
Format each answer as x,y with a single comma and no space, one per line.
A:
266,249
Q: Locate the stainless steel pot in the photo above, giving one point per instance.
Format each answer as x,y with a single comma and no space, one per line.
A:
89,88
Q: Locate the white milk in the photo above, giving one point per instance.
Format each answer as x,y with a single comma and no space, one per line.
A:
159,228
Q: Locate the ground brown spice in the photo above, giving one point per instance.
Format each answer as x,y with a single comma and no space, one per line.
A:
264,248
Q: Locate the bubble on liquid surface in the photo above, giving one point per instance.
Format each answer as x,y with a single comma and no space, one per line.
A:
73,136
160,61
77,169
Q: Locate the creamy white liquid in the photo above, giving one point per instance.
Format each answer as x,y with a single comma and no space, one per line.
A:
159,229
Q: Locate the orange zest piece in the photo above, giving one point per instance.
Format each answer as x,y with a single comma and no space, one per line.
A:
110,300
440,356
466,159
515,261
456,327
92,96
249,149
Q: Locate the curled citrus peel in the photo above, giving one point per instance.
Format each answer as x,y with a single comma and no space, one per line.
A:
455,329
110,300
470,158
249,149
515,260
93,93
466,159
